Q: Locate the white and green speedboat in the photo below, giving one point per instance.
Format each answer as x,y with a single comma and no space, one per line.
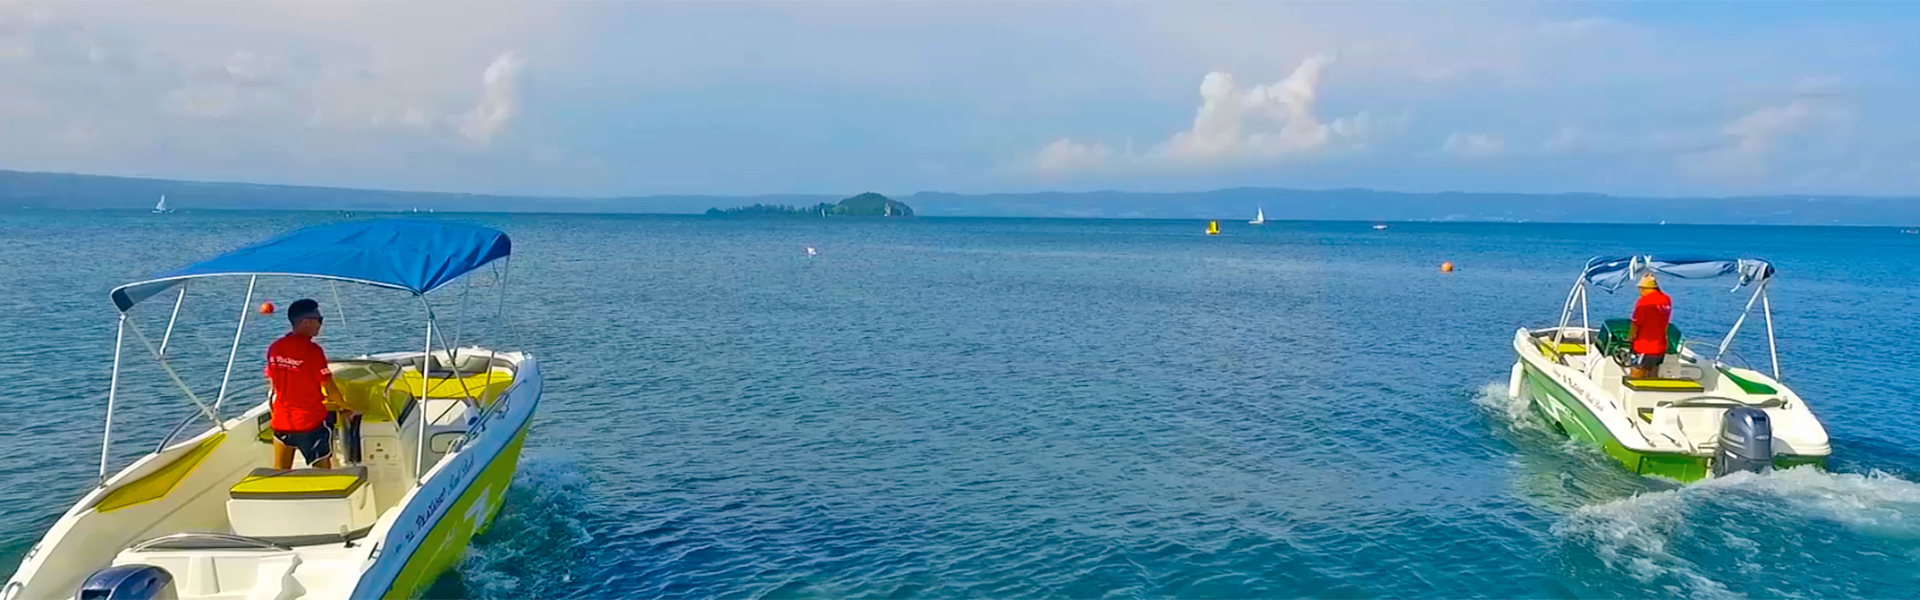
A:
1697,415
203,518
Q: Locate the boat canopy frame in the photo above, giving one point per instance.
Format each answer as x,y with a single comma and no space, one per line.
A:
1610,273
413,256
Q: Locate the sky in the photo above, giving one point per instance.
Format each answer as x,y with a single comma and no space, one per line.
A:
609,99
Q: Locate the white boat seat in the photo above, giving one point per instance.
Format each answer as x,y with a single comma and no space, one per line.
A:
302,506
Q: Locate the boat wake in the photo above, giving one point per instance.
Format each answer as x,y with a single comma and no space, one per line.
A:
1800,532
1513,412
1550,470
536,541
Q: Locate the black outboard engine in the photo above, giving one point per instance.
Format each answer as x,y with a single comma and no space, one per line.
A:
129,582
1746,442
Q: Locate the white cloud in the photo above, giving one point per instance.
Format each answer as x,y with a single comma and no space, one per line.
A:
1474,145
1235,125
1569,140
499,102
1750,144
1578,28
340,94
1065,155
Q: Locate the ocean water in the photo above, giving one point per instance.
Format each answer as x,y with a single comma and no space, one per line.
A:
937,408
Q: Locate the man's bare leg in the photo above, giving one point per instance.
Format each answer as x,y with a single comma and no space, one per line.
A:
282,455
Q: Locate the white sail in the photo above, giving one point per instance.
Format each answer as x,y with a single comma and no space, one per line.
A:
162,206
1259,216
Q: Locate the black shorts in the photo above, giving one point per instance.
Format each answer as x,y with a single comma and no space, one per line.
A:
313,444
1648,361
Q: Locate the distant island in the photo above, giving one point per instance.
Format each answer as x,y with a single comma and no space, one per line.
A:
864,205
66,191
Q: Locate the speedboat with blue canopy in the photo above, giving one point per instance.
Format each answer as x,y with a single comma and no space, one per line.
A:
203,517
1704,411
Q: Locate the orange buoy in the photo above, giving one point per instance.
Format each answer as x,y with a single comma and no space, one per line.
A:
1446,267
266,308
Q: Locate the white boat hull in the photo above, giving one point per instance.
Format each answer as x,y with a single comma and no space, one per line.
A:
1670,434
416,537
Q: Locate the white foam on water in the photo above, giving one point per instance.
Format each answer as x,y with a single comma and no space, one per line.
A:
1516,412
1636,536
1518,415
526,551
1876,503
1632,536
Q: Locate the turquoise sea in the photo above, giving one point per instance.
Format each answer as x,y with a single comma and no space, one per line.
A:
1005,408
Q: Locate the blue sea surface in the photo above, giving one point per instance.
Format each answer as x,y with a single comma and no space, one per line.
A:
1006,408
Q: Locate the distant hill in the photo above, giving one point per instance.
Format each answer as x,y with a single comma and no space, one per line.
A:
1375,205
864,205
68,191
873,205
773,210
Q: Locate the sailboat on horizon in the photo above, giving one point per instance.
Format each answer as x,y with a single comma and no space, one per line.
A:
161,208
1259,216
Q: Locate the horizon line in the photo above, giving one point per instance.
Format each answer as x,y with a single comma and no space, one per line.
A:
964,194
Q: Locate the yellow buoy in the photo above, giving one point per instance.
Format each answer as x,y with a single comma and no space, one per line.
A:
1213,228
1446,267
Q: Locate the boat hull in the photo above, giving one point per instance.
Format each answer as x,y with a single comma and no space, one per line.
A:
456,501
1570,416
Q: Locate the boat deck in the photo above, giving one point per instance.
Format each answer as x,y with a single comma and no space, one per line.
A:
1679,409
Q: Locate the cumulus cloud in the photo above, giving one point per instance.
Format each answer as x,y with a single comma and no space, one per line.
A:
1068,155
1474,145
499,100
1236,125
255,95
1749,144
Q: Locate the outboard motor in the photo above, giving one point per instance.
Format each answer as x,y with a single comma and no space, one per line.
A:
1746,442
129,582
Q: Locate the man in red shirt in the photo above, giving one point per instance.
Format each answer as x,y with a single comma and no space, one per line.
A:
302,384
1649,331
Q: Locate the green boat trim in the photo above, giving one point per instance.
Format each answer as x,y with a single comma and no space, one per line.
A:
1571,417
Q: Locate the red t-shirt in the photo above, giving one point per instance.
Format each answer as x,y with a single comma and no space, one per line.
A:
1651,316
297,367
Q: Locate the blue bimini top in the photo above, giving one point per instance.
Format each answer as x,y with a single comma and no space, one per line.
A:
416,256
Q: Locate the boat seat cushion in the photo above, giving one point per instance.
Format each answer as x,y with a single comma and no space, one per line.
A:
1559,351
300,483
482,386
302,506
1662,385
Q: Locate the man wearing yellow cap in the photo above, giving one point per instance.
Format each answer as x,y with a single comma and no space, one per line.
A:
1649,331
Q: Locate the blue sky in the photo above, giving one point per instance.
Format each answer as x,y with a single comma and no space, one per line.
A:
577,98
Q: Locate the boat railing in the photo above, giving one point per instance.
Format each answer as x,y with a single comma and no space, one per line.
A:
1689,348
206,541
258,386
1719,402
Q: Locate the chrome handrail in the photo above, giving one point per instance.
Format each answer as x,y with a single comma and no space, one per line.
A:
175,432
228,538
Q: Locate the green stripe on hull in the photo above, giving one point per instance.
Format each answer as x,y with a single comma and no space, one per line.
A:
446,543
1572,417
